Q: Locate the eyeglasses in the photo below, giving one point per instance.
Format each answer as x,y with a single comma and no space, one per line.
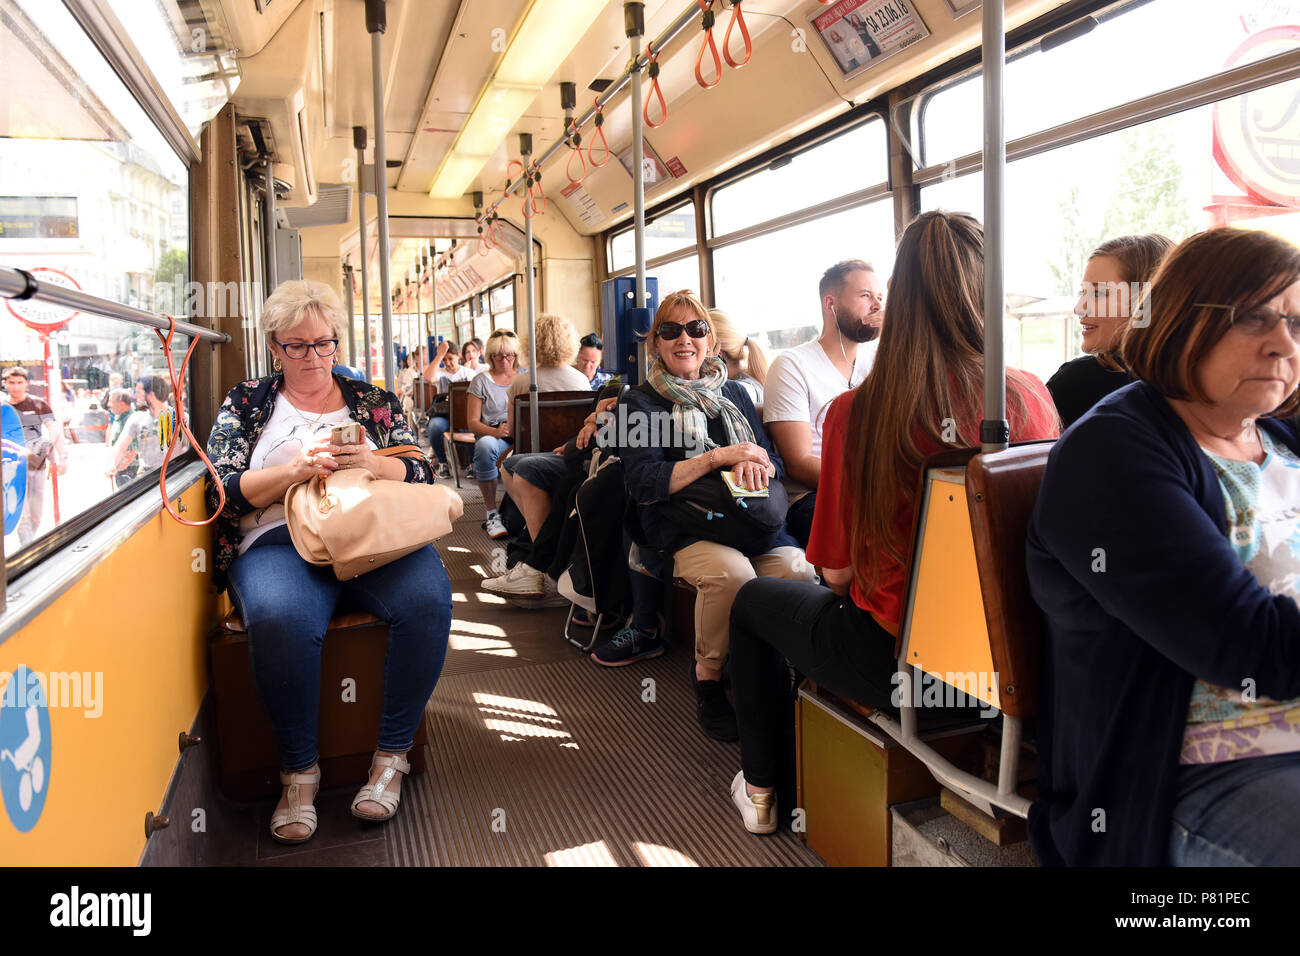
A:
696,329
1258,321
497,332
298,350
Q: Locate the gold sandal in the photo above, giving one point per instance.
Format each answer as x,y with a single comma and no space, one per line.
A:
294,813
378,791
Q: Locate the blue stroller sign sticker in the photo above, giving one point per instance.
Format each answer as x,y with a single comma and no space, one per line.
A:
24,749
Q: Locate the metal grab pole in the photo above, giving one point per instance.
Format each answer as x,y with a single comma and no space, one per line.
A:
994,432
525,150
634,22
419,344
352,315
376,22
359,141
268,227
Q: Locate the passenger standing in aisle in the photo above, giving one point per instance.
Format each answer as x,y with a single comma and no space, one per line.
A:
804,380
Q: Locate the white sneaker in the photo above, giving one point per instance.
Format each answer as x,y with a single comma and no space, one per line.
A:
495,529
547,597
758,811
519,580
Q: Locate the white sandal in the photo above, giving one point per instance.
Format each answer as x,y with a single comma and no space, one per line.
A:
378,791
305,814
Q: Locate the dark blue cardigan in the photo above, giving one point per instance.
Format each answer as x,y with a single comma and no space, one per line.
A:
1128,486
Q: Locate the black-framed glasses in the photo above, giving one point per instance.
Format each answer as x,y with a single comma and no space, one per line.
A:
696,329
1258,321
298,350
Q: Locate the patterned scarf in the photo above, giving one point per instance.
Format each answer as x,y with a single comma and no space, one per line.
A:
697,400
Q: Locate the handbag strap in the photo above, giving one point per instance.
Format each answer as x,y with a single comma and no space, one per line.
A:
401,451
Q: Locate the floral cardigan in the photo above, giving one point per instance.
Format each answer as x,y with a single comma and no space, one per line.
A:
240,421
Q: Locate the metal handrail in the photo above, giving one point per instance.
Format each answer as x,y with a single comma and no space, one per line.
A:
634,67
21,285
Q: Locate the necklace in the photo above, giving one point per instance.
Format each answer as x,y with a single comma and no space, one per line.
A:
303,415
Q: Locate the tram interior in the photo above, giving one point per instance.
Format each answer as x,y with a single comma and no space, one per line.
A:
228,145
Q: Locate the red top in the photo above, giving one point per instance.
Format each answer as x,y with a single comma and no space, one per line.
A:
828,544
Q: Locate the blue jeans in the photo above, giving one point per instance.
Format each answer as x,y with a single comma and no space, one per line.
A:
543,470
1240,813
486,452
286,605
438,426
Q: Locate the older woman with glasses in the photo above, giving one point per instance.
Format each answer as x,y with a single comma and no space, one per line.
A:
269,435
1164,550
488,411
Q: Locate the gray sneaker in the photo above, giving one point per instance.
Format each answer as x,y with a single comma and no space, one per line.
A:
628,646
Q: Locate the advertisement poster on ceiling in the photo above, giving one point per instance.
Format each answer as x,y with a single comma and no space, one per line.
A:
859,33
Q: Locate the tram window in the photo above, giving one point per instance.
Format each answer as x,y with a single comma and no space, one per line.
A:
1138,48
843,164
502,302
72,129
188,50
768,284
678,274
666,232
1157,177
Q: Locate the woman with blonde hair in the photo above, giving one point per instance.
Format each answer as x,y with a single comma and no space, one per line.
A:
269,435
745,358
713,427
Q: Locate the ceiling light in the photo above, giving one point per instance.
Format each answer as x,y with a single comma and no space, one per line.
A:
549,32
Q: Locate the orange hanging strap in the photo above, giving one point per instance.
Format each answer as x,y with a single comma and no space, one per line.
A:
600,133
737,19
485,243
178,391
652,70
535,191
575,151
498,230
707,23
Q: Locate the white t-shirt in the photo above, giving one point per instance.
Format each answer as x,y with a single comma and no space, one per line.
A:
561,378
282,440
802,383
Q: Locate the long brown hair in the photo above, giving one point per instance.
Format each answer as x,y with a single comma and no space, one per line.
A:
925,388
1138,256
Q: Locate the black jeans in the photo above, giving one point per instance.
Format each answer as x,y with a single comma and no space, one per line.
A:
799,519
825,637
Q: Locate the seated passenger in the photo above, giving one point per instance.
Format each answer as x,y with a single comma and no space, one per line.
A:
804,380
273,433
557,344
444,369
1162,552
746,362
487,410
714,426
1112,280
924,393
533,482
590,350
471,354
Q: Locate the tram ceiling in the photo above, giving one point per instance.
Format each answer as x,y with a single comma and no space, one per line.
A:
310,76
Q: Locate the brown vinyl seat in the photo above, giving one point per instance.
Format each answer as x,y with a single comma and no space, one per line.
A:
459,438
560,416
351,700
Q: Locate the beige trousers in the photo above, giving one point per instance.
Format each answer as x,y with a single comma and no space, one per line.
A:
717,573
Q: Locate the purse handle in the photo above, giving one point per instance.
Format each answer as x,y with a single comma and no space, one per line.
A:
401,451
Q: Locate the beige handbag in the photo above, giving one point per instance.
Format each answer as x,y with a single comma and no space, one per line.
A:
358,522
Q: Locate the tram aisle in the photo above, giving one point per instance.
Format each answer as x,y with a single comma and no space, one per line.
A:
539,757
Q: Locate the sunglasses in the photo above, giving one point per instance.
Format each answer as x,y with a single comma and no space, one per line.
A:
696,329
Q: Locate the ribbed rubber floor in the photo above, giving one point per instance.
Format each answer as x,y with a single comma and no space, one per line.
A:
539,757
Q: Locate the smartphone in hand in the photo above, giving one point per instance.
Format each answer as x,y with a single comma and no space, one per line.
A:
346,434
